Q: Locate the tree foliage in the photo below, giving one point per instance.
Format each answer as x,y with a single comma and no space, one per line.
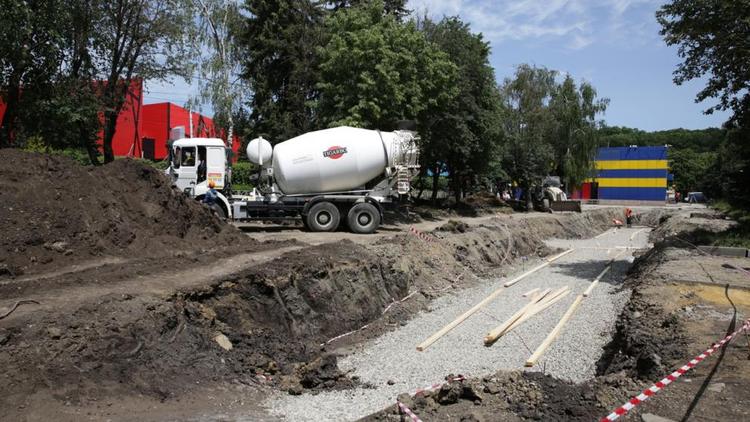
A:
31,54
574,140
375,71
700,140
526,123
713,39
393,7
55,51
733,169
465,134
279,42
550,126
218,25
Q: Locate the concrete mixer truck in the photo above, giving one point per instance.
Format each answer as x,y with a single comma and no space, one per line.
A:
324,178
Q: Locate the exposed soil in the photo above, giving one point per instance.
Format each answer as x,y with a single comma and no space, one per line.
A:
261,323
56,213
146,299
682,302
514,396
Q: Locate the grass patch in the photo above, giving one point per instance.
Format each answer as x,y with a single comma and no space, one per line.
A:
738,236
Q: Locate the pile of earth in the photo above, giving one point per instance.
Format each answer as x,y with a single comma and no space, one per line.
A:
514,396
55,212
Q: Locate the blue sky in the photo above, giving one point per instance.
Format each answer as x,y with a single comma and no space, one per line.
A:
613,44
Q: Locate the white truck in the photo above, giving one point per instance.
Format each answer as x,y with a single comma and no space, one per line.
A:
322,177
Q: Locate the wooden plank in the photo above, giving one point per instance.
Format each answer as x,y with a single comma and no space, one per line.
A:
606,232
539,307
537,268
601,274
596,280
632,236
493,335
530,292
554,333
441,332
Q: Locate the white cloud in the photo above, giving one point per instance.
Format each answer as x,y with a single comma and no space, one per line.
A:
579,23
579,42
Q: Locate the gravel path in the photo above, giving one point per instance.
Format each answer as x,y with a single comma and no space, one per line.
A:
393,356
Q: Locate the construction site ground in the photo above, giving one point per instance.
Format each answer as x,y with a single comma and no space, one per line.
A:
127,301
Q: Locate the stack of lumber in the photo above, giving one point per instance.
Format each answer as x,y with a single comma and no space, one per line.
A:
539,301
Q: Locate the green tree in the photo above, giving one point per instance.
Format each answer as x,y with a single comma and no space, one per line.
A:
575,137
145,39
734,168
700,140
219,22
464,135
713,39
528,125
31,54
394,7
375,71
691,169
279,42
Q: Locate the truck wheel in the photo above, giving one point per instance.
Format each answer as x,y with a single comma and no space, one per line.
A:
219,211
363,218
323,217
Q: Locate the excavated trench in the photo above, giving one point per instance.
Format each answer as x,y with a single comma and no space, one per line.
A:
267,323
648,343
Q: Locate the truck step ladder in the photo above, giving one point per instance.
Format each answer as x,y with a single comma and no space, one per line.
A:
404,181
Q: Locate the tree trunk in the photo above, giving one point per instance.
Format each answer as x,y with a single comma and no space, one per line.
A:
93,154
457,188
110,126
90,146
435,183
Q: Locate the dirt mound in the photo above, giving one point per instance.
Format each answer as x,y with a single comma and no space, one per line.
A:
484,200
55,212
512,396
694,227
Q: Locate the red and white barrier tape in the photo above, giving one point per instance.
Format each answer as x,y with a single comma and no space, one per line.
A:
419,234
436,386
367,325
408,412
625,408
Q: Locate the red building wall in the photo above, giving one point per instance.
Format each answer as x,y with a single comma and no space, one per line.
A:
126,142
137,121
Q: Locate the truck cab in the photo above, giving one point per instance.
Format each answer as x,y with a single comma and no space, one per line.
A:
196,161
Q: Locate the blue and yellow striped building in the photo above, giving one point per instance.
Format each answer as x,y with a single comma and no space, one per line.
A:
632,174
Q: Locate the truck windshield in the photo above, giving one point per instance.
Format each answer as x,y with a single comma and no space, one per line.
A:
176,158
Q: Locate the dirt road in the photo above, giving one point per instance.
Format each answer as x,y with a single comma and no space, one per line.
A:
164,283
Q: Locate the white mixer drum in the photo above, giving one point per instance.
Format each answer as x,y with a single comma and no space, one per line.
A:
329,160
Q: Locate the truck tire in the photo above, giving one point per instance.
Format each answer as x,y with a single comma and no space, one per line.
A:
323,217
363,218
219,211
